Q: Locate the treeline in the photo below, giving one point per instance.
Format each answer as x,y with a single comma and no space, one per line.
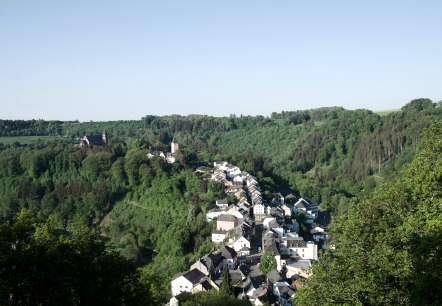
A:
328,154
331,161
31,128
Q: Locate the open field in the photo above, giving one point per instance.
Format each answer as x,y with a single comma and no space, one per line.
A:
387,112
7,140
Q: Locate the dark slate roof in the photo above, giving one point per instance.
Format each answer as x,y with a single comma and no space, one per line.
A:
194,276
300,264
206,285
236,276
273,248
287,292
217,209
274,276
228,252
95,140
222,201
182,296
273,224
213,262
300,205
226,217
296,242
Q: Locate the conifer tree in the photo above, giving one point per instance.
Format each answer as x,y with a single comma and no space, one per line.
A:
226,285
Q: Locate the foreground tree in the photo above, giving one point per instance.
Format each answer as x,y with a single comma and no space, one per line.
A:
267,263
226,285
43,266
388,247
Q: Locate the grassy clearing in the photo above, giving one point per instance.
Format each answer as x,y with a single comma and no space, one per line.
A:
7,140
387,112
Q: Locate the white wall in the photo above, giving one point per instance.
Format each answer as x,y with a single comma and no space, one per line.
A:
181,284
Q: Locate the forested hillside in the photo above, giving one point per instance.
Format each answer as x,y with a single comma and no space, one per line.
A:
388,248
329,154
152,214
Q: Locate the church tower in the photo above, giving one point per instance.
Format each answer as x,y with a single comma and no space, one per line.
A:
104,137
174,146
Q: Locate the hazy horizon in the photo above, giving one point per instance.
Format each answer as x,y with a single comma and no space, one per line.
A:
195,114
109,60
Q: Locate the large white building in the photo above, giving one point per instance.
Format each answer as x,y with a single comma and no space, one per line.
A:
296,247
187,281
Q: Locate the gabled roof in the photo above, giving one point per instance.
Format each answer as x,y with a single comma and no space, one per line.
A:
273,224
194,276
294,242
287,292
273,248
300,264
93,140
206,285
213,262
226,218
236,276
274,276
222,202
228,252
300,204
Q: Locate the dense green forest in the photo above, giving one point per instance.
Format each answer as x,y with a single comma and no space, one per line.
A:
41,265
388,248
151,215
151,212
329,154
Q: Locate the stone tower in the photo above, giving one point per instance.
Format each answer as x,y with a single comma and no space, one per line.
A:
174,146
104,137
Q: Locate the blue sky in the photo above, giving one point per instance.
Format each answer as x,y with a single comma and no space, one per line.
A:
109,60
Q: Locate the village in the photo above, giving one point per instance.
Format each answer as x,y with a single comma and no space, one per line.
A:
247,227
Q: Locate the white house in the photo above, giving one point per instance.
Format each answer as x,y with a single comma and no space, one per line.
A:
240,243
218,236
229,257
232,172
259,209
278,286
185,282
221,165
222,203
251,181
214,213
267,221
287,210
296,247
311,210
285,295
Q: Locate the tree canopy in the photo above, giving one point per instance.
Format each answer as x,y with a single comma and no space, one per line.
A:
226,287
267,263
40,265
388,247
